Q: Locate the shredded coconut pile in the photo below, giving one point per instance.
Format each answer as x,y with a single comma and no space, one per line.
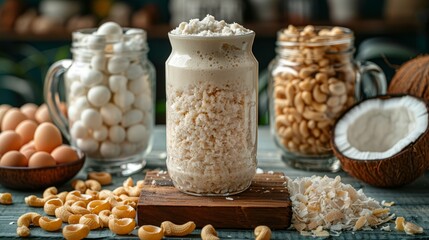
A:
322,204
209,26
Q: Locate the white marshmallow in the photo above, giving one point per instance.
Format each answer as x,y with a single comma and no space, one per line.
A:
87,145
100,134
78,130
132,117
109,149
77,89
95,42
111,30
136,133
117,64
128,148
139,85
117,83
117,134
124,99
134,71
98,62
111,114
143,102
148,119
91,77
99,95
134,31
72,113
72,74
76,107
91,118
120,47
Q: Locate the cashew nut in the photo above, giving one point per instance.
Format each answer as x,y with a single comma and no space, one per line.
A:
49,224
51,191
51,205
6,198
79,185
34,201
91,220
122,226
150,232
262,233
104,178
96,206
93,185
209,233
124,211
75,231
171,229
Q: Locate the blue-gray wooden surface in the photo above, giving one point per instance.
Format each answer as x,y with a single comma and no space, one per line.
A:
412,201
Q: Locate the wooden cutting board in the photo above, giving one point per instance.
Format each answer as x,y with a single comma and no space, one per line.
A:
266,202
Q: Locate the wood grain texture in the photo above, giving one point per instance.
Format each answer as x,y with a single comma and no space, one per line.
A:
266,202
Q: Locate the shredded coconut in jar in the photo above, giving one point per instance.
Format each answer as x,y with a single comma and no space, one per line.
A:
209,26
322,204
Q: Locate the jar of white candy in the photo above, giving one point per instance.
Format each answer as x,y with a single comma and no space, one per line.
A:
109,92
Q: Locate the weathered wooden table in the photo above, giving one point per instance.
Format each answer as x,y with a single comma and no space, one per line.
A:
412,201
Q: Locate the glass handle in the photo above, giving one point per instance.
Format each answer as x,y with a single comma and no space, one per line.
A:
377,77
52,96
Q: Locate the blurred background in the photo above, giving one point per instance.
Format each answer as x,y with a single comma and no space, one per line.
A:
36,33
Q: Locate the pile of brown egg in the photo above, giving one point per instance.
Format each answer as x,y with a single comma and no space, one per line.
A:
28,138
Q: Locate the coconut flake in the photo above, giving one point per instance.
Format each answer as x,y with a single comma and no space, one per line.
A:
322,204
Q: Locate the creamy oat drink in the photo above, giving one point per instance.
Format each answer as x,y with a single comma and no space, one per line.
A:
211,87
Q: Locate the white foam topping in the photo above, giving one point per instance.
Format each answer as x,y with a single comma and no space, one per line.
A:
209,26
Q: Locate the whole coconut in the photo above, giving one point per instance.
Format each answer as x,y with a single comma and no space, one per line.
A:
412,78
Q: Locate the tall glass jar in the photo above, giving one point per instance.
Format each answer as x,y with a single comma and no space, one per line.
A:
212,94
313,80
109,96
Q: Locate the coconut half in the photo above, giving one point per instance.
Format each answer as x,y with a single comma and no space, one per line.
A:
384,141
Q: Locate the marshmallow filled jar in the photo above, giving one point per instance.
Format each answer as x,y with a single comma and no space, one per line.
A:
211,89
109,93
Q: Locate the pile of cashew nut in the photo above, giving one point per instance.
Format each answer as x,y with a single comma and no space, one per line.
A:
89,207
313,83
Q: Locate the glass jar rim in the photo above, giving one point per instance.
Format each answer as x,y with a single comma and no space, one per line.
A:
346,37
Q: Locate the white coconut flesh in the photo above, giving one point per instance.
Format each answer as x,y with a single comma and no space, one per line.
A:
378,129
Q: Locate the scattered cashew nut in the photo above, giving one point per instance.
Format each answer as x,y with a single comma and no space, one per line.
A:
171,229
262,233
150,232
209,233
6,198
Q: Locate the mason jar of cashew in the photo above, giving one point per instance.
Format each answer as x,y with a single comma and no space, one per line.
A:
313,80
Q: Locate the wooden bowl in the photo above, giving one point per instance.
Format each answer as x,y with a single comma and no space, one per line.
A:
26,178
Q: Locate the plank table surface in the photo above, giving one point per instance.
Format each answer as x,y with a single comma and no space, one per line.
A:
265,202
411,201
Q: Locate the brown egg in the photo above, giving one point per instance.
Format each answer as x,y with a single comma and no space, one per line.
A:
29,145
64,154
29,110
11,119
13,159
3,109
28,152
41,159
47,137
9,140
26,130
42,114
